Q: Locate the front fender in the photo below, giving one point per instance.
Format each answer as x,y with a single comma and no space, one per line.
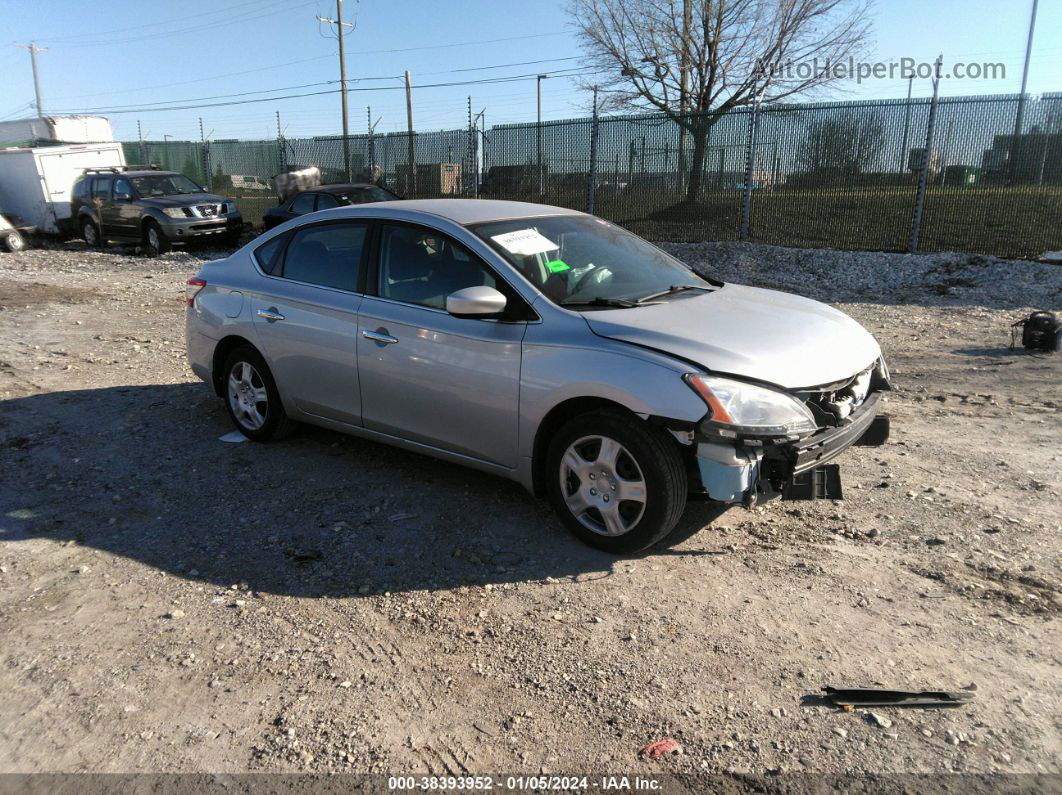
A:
645,384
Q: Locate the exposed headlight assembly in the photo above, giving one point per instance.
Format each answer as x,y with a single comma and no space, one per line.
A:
175,212
740,409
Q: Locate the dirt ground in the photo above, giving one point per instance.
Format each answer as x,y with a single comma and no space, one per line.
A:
172,602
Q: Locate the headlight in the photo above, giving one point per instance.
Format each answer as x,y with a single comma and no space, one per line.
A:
174,212
740,408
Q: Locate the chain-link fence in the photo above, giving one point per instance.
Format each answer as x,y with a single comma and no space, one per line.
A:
839,175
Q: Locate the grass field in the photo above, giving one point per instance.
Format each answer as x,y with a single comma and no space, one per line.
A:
1021,221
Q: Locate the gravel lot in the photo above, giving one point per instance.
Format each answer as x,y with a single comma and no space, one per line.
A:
171,602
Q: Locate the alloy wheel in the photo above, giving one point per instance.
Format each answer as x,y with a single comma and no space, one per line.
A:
602,485
247,396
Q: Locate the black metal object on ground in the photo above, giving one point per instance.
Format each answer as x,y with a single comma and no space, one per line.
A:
879,697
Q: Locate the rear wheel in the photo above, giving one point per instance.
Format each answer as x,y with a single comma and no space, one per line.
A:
251,396
155,241
14,241
616,482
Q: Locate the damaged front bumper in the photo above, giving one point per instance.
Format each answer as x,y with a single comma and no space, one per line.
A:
747,475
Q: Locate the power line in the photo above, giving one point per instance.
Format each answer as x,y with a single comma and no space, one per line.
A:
212,79
167,34
183,18
459,44
239,94
153,106
500,66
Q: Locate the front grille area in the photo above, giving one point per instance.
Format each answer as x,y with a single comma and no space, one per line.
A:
834,404
208,210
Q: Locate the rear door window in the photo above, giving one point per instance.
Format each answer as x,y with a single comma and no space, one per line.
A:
326,201
328,255
268,254
101,188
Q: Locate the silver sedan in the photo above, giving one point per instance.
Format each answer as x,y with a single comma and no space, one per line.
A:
543,345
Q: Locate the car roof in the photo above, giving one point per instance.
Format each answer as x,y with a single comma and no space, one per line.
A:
474,211
341,187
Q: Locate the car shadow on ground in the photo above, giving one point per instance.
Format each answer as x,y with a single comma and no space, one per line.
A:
140,471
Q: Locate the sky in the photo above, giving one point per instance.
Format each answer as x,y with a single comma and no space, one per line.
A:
145,54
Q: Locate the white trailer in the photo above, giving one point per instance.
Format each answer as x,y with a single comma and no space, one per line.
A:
35,183
60,129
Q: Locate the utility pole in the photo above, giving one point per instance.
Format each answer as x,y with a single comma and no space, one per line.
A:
33,50
477,130
591,174
538,135
906,126
339,23
927,152
1020,115
684,103
411,187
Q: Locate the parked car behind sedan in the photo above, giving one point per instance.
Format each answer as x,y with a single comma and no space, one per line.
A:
325,197
543,345
157,209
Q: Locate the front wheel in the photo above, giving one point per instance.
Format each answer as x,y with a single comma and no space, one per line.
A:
252,398
14,241
155,241
616,482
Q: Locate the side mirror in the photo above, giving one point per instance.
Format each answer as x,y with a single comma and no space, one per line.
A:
475,302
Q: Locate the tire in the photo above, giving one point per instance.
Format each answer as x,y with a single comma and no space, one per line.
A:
625,454
251,397
90,233
155,241
14,241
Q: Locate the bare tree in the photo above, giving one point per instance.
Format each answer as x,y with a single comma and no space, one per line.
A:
847,143
697,59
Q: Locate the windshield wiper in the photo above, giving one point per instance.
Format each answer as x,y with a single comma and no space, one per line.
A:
621,303
675,288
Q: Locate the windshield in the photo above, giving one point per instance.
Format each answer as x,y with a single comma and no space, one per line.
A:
578,260
164,185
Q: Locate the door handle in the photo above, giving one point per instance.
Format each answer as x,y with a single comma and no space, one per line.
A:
270,314
380,337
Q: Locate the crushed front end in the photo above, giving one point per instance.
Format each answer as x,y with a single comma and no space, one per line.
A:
757,443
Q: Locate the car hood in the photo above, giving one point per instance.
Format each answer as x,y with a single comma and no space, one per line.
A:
184,200
766,335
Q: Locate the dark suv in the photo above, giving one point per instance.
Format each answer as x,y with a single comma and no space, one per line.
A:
150,207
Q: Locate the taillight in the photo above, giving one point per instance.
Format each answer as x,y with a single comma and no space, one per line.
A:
192,288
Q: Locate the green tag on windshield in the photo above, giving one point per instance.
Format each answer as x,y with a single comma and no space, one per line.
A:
558,266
